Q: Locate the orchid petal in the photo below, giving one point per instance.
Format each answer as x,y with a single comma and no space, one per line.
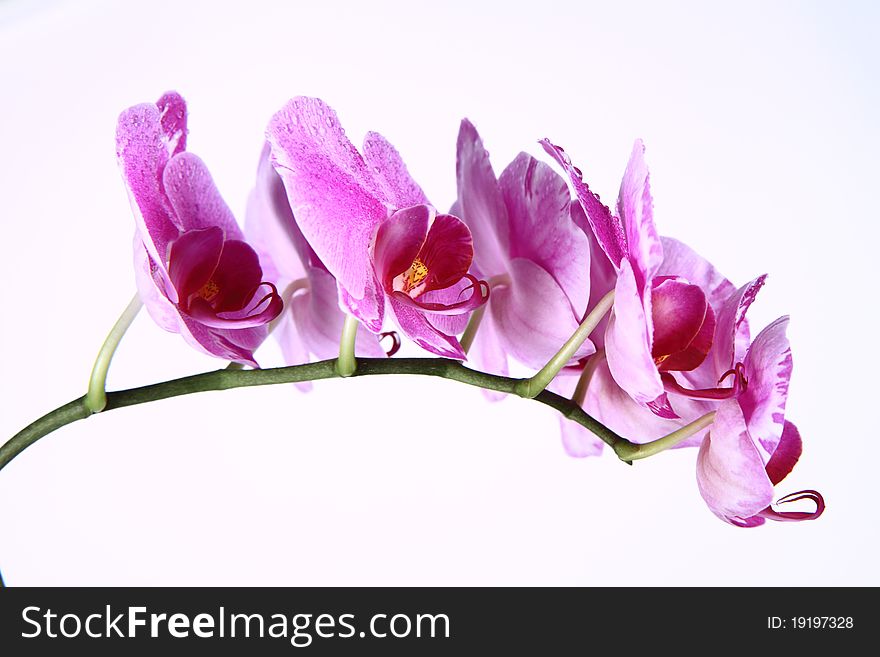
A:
194,197
242,340
677,310
681,260
449,324
578,441
732,330
628,341
768,367
293,349
541,227
487,353
603,276
786,454
754,521
533,315
635,209
172,118
193,258
398,241
332,192
607,228
391,173
610,404
236,345
142,149
163,312
730,471
480,204
319,320
695,354
237,275
370,309
447,252
262,310
474,295
271,228
264,306
414,325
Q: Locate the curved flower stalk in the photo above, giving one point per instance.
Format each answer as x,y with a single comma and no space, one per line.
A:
374,230
660,322
352,233
310,326
528,245
195,273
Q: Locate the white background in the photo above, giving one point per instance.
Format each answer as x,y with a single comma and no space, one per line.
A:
760,124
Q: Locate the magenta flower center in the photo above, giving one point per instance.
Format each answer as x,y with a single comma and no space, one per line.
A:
417,252
218,281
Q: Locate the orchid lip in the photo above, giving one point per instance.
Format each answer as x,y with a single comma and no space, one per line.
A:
200,309
475,300
713,394
796,516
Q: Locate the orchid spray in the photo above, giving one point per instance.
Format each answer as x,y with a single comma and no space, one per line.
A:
636,340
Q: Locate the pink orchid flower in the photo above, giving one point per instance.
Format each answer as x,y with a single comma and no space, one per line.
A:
312,322
694,393
374,230
751,446
659,322
532,251
195,273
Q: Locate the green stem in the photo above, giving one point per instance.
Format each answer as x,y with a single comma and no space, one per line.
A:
346,364
583,384
529,388
96,398
470,333
632,451
226,379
